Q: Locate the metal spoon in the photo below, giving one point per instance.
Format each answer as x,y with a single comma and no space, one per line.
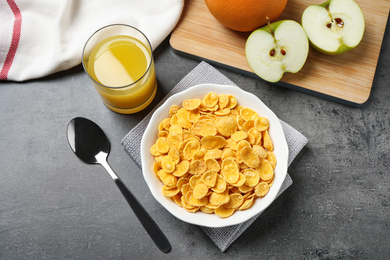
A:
91,145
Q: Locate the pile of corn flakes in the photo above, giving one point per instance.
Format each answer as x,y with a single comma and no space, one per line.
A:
213,155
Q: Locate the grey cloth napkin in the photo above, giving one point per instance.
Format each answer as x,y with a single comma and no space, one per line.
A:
205,73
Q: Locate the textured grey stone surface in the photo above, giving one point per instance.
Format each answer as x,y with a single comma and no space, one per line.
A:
53,206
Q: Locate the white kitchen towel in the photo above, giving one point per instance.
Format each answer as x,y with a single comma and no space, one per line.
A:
40,37
205,73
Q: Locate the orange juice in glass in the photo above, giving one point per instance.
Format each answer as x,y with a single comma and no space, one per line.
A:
118,59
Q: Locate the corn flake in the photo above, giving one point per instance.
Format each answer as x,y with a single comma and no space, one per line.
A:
173,110
242,144
190,149
167,179
235,201
220,185
271,158
219,198
166,123
265,170
210,100
256,134
223,101
195,181
191,104
239,135
175,155
188,135
203,128
267,141
227,152
162,145
177,199
185,188
229,170
248,114
174,140
240,181
222,112
181,182
251,178
206,210
244,189
174,120
191,200
154,151
260,151
211,142
200,191
209,178
240,123
181,168
262,189
213,154
193,116
212,164
234,112
247,204
248,125
199,155
163,133
187,206
226,125
197,167
175,129
223,212
262,124
167,164
169,191
249,157
232,102
182,118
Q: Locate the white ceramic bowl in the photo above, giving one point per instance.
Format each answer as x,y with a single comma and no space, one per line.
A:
245,99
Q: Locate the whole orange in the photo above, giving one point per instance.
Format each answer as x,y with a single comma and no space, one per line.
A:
245,15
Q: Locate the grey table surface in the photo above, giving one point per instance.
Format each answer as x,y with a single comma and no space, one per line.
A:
53,206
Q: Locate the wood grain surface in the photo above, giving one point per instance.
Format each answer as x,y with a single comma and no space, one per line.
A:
346,78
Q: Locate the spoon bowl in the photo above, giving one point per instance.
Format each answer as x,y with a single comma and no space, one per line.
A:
91,145
87,139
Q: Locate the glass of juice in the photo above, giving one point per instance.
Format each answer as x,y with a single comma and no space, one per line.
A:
118,59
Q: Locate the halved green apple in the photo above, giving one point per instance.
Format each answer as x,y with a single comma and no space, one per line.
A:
335,26
277,48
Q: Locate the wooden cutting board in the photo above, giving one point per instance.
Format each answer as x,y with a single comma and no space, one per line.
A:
345,78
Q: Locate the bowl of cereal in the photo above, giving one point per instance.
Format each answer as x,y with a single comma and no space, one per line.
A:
214,155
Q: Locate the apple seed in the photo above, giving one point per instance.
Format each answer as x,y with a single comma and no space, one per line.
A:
283,52
272,52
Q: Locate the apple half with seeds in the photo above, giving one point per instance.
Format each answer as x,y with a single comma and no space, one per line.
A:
335,26
277,48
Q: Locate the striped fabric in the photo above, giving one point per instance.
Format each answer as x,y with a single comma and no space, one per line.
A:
9,35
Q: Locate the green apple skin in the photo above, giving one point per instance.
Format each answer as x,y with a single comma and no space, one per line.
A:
287,35
343,47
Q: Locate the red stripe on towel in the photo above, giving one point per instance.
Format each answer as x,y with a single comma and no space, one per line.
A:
15,40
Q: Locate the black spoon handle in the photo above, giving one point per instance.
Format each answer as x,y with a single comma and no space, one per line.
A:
151,227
